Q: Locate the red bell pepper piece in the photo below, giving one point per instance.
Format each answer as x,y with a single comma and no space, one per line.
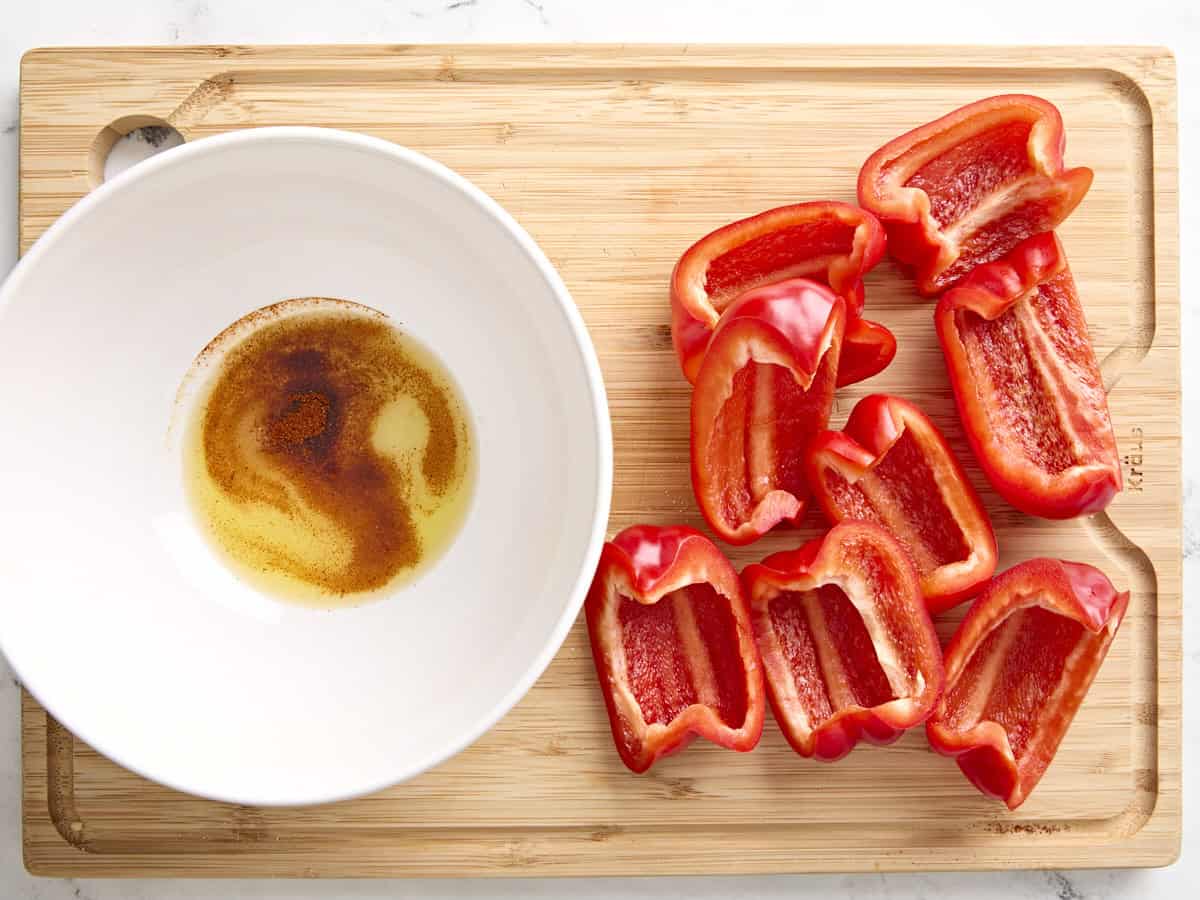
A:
867,349
891,465
1027,384
672,644
833,243
968,187
847,645
1018,668
764,390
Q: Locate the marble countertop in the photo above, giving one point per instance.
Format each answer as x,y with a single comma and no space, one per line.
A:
1175,23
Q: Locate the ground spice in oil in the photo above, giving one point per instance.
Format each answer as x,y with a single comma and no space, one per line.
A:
305,417
309,471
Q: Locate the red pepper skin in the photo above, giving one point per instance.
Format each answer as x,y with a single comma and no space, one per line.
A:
891,465
847,645
1027,385
764,390
867,349
1017,670
826,241
963,190
672,644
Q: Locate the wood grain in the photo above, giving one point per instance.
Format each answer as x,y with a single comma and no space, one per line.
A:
615,159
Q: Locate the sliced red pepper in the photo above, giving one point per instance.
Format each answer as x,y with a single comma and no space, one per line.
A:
891,465
830,242
672,643
1027,385
764,390
847,645
867,349
967,188
1018,668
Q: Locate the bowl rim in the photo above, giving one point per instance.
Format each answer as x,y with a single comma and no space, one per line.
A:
78,214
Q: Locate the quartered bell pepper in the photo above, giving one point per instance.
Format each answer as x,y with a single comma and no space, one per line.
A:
764,390
1027,385
891,465
672,644
826,241
965,189
848,648
1017,669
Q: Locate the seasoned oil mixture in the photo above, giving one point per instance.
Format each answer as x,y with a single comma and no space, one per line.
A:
330,455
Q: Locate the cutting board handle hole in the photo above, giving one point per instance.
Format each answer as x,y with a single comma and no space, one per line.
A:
126,142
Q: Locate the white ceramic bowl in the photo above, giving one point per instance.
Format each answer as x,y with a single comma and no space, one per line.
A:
114,612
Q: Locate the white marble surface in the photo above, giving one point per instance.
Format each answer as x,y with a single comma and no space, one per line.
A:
1175,23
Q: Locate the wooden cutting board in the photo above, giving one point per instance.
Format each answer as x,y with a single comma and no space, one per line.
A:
615,159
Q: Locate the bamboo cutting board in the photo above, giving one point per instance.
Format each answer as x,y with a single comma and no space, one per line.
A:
616,159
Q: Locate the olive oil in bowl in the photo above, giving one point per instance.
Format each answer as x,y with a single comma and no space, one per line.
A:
328,457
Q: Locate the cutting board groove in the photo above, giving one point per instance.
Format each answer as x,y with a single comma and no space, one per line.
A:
615,159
